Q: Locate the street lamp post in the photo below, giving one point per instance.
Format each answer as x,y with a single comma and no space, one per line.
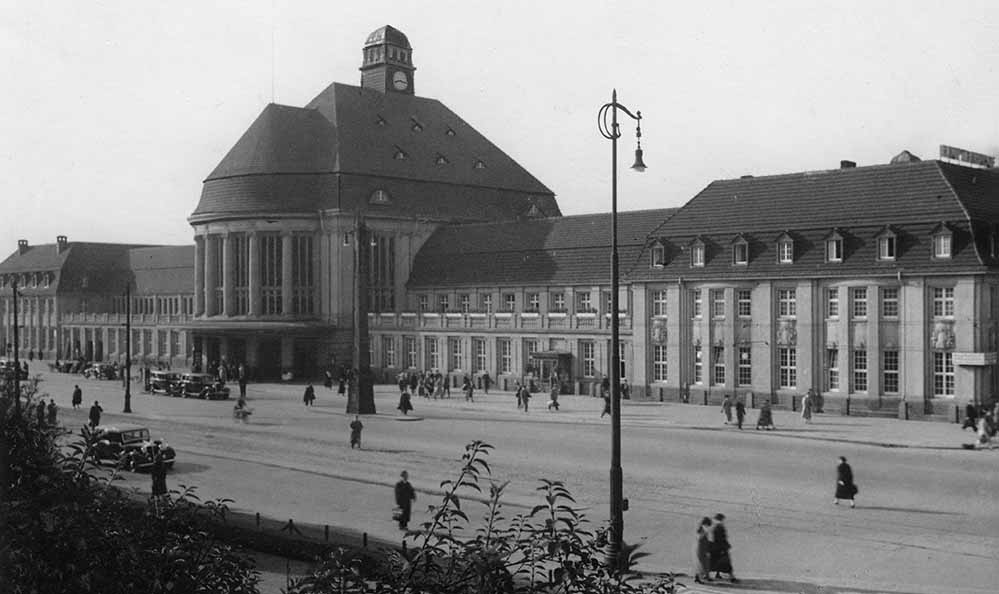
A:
361,399
611,132
128,348
17,347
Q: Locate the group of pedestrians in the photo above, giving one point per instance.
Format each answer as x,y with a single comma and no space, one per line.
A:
711,550
983,421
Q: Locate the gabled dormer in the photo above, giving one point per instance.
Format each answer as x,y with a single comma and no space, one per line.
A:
943,241
658,253
740,250
887,241
698,252
785,248
835,245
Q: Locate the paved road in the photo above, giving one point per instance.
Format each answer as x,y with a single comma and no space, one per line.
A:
927,519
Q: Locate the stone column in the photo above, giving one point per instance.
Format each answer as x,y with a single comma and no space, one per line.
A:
227,275
199,275
210,280
253,265
286,274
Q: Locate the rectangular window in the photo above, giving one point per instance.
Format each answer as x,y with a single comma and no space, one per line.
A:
409,343
388,352
697,256
431,350
717,303
509,302
698,365
456,354
533,302
174,343
558,301
942,246
787,303
659,303
858,296
270,273
479,348
443,303
659,363
745,366
423,303
740,253
240,246
744,299
943,302
718,365
832,302
380,254
303,279
587,354
787,367
785,252
889,369
889,302
834,250
943,374
886,248
859,371
832,369
530,347
465,302
585,302
505,349
695,295
486,302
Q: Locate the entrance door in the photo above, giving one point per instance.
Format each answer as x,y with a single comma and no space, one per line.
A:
305,366
269,359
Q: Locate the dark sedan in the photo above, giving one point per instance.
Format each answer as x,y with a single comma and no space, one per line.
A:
202,385
129,446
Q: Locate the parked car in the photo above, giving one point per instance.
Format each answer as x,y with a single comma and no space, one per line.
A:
164,382
202,385
129,446
104,371
7,370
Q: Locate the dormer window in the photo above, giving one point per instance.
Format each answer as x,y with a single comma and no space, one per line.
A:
834,248
416,126
34,280
450,132
380,197
441,159
943,242
697,258
479,164
658,255
740,251
381,122
887,247
785,249
400,155
47,279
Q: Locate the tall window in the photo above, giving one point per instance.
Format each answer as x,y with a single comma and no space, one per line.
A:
174,342
943,374
214,244
718,365
585,301
587,354
479,349
659,303
744,299
745,366
505,349
381,273
431,350
409,344
740,253
785,251
270,273
942,246
832,302
456,354
509,302
787,303
717,303
161,342
859,371
787,367
303,278
834,250
558,301
658,255
533,302
886,247
858,296
423,303
530,347
943,302
388,352
832,369
889,372
486,302
659,363
240,246
697,255
695,295
443,303
698,365
889,302
465,302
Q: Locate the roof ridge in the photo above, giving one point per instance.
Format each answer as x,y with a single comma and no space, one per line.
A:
830,171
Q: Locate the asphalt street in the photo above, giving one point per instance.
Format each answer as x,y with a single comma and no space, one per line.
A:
927,516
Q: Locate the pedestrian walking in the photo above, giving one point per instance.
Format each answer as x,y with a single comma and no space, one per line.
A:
341,387
721,559
51,412
806,408
77,397
607,404
40,412
486,380
520,401
740,412
158,472
766,418
404,497
310,395
525,396
242,380
845,487
467,389
727,408
355,432
553,398
405,404
702,551
95,414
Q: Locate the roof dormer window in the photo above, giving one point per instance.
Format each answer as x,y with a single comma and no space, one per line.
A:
450,132
887,245
658,255
785,249
697,254
942,245
441,159
47,279
834,247
34,280
400,155
380,197
479,164
416,125
381,122
740,251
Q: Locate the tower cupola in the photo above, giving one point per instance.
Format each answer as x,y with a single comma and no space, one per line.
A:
388,62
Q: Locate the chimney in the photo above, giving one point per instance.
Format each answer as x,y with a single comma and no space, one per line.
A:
847,164
22,246
61,244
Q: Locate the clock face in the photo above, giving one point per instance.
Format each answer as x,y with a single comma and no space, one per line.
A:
400,81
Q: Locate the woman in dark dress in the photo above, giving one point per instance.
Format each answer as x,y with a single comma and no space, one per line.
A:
405,404
845,487
721,561
702,551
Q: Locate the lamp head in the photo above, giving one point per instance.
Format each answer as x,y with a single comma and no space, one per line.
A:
639,165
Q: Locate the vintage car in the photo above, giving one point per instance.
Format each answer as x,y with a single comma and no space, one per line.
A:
7,370
129,446
164,382
104,371
202,385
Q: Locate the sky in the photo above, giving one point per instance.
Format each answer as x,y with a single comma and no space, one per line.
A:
113,112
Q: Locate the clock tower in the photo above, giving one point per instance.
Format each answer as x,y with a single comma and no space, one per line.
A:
388,62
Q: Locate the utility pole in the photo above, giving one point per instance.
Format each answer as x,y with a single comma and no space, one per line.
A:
362,401
128,347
